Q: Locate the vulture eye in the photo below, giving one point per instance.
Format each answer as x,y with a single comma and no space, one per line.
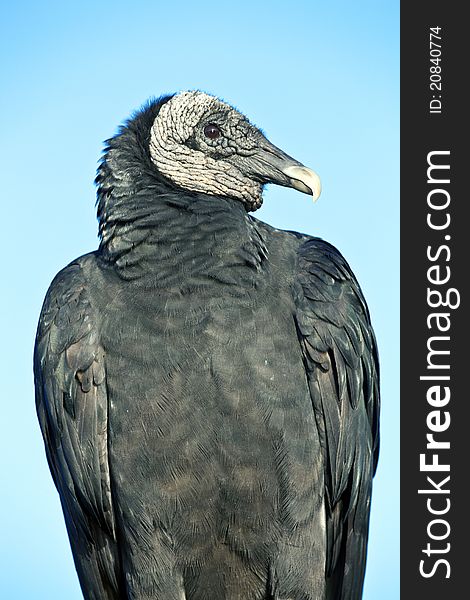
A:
212,132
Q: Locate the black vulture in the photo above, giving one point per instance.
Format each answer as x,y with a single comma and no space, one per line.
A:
206,384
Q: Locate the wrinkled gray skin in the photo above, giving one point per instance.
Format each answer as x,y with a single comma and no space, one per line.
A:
207,385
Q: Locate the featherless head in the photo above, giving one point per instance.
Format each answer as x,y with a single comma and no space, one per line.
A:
202,144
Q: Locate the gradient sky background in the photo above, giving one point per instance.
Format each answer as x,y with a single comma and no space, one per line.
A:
320,78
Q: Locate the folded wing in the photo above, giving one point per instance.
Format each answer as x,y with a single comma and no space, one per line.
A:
340,357
72,405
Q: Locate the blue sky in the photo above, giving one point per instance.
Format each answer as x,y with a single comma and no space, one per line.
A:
320,78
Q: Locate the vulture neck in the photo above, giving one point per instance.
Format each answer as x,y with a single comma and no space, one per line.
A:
182,241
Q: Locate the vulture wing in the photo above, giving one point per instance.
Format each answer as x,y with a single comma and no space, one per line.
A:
72,405
340,357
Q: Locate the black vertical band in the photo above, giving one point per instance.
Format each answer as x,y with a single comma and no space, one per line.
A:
435,356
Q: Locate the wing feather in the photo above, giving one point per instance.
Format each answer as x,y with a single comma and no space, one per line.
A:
72,407
341,362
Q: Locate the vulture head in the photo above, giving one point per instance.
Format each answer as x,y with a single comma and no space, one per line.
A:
194,142
204,145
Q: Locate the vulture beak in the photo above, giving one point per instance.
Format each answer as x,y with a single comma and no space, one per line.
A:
275,166
304,179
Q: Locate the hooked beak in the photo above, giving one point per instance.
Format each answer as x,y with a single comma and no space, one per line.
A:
272,165
304,179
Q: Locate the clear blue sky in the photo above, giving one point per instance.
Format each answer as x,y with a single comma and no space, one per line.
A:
320,78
